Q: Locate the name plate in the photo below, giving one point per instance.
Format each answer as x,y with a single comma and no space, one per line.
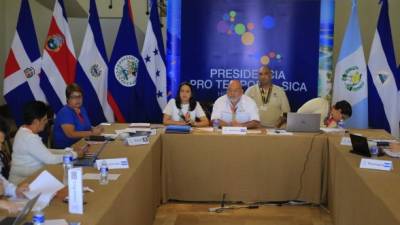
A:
376,164
139,140
75,193
234,130
117,163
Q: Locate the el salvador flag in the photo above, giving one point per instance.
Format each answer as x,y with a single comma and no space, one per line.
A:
384,82
154,55
22,69
133,93
58,60
350,82
92,71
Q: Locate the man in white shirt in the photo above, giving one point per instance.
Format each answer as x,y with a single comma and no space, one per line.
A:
271,99
236,109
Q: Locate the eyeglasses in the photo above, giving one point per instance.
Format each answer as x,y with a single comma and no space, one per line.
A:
75,96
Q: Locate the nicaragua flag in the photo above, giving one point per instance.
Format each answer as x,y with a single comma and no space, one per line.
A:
383,91
350,82
133,93
58,60
92,71
154,55
22,69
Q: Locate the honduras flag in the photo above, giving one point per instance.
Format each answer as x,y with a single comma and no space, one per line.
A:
21,77
350,82
154,55
133,93
92,71
383,91
58,60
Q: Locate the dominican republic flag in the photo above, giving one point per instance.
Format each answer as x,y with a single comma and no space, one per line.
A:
154,55
350,82
384,82
92,71
21,77
58,60
133,93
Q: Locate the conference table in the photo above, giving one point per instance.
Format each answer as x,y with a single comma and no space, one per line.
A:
257,167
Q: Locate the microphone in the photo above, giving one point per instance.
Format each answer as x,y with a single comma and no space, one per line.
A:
110,5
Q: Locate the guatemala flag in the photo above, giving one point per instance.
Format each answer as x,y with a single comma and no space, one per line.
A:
350,82
133,93
58,60
154,55
21,77
92,71
383,91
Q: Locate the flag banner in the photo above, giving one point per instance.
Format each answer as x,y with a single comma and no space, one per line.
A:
350,82
92,71
22,69
58,60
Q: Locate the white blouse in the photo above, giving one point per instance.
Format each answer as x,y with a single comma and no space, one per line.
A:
177,114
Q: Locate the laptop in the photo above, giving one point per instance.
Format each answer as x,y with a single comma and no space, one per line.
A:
303,122
89,159
21,215
360,145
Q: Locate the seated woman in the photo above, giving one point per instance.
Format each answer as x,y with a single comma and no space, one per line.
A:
72,121
330,116
184,110
29,152
9,189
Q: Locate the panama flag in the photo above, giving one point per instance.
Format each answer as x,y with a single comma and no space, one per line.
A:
154,55
21,77
350,82
58,60
92,71
133,93
383,89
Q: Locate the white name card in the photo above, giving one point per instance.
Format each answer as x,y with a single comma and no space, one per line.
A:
234,130
117,163
139,140
376,164
75,193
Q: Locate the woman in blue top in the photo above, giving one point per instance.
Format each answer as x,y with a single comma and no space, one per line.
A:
72,121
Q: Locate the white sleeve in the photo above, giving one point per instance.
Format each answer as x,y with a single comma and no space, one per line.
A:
217,108
169,108
9,188
39,151
253,109
199,111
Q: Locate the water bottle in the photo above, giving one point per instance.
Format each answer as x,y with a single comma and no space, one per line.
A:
67,163
38,218
374,151
103,173
340,124
215,125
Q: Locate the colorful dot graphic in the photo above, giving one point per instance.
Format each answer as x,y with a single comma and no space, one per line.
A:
248,38
240,29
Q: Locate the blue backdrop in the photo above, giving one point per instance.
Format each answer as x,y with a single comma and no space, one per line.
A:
221,40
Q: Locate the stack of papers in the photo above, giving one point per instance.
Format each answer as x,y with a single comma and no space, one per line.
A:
139,125
96,176
333,130
45,184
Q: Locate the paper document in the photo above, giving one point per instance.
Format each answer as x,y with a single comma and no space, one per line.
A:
332,130
105,124
206,129
55,222
45,184
117,163
139,125
96,176
254,131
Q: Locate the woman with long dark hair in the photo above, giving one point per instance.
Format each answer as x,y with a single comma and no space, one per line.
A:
184,109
